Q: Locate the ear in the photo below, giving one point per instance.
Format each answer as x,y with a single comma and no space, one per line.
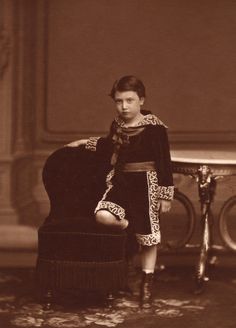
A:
142,99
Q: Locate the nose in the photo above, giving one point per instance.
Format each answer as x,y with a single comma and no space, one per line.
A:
124,105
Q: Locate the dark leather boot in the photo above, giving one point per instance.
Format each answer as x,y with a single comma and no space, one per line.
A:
146,290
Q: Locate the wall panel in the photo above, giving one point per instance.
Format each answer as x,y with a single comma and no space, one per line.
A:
184,51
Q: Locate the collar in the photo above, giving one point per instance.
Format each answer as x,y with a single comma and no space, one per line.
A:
148,119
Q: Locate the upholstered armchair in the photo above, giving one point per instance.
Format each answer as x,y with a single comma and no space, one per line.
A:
74,252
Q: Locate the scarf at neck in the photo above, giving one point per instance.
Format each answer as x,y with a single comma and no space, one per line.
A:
120,138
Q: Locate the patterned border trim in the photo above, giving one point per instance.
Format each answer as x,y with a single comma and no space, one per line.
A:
92,143
154,206
115,209
149,119
108,183
149,240
166,193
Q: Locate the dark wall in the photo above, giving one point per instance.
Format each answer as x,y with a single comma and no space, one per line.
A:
183,50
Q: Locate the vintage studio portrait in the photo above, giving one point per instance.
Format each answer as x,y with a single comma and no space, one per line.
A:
117,163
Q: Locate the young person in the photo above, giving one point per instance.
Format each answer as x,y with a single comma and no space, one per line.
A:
140,182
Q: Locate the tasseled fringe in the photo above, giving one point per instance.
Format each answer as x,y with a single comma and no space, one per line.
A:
103,276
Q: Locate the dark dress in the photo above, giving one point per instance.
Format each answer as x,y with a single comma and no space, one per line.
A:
140,175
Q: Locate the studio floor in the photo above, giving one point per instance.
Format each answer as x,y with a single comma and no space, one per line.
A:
175,304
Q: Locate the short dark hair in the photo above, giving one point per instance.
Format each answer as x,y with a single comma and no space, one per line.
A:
128,83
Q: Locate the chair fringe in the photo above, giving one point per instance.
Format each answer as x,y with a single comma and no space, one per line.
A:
103,276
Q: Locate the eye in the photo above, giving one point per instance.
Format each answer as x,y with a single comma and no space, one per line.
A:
129,100
118,101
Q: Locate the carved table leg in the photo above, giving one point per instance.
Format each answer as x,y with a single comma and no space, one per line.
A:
206,188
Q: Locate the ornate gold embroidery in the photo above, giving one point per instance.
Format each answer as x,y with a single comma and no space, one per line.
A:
166,193
115,209
108,183
148,119
154,206
92,143
151,119
149,240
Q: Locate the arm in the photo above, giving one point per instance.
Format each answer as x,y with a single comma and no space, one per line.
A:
77,143
90,143
165,205
101,145
98,144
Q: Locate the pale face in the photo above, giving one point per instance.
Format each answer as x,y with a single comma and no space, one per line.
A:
128,106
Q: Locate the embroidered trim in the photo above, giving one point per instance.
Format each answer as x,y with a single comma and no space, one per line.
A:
91,144
149,240
108,183
148,119
166,193
115,209
151,119
154,206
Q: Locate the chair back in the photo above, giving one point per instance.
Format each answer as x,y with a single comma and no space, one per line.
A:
74,179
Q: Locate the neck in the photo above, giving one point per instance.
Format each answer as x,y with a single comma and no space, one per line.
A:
135,121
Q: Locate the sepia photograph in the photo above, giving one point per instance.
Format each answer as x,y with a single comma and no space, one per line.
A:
117,163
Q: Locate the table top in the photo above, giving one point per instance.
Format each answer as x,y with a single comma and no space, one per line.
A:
221,162
196,156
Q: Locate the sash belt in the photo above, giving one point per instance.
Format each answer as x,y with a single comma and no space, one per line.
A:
139,167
